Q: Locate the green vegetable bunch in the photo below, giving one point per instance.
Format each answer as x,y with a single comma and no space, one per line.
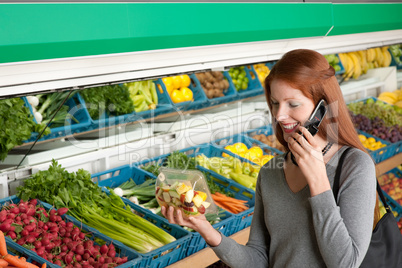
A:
17,124
50,103
114,100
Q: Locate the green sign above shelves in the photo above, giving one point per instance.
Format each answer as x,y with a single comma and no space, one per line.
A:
48,31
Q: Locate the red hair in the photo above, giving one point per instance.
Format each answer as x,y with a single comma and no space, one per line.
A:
310,72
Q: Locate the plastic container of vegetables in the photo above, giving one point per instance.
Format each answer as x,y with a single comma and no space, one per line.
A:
186,190
133,258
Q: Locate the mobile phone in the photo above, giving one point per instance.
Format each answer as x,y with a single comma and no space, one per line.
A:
316,117
313,122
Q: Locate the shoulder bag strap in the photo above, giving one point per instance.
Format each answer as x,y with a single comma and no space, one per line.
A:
335,187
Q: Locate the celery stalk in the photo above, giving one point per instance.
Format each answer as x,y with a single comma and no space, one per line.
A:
145,225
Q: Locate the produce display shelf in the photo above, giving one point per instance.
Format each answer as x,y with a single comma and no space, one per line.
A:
134,258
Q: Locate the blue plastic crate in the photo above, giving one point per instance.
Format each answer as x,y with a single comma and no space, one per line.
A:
248,141
230,93
17,250
134,258
199,98
382,153
393,147
114,177
391,183
76,109
164,106
254,85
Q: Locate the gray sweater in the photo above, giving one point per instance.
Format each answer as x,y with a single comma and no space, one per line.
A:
296,230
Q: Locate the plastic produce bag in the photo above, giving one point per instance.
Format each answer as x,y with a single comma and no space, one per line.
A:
184,189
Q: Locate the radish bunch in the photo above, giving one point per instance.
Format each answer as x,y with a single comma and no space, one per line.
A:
52,238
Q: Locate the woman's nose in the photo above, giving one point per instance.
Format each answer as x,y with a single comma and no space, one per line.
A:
281,114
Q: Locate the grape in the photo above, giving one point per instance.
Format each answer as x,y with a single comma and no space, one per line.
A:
377,127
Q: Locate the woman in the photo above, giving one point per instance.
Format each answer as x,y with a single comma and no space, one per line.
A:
296,221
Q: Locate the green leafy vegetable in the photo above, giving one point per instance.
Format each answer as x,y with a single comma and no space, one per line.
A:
114,100
17,124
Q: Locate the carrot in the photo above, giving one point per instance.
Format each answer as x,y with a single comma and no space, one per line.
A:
43,265
13,260
3,245
3,263
230,204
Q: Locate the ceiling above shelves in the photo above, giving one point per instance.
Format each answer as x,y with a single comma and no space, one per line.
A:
46,48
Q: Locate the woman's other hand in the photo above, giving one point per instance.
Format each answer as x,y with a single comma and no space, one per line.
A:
199,224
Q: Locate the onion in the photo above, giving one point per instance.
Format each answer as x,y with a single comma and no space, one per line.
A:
118,191
34,101
134,199
38,117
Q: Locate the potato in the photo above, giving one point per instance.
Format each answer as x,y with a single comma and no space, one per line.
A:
217,92
210,93
208,85
226,84
209,77
218,75
217,85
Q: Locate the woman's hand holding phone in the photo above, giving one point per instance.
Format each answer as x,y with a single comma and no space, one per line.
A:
310,160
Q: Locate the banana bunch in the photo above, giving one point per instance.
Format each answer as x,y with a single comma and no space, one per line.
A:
394,97
354,64
359,62
379,57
